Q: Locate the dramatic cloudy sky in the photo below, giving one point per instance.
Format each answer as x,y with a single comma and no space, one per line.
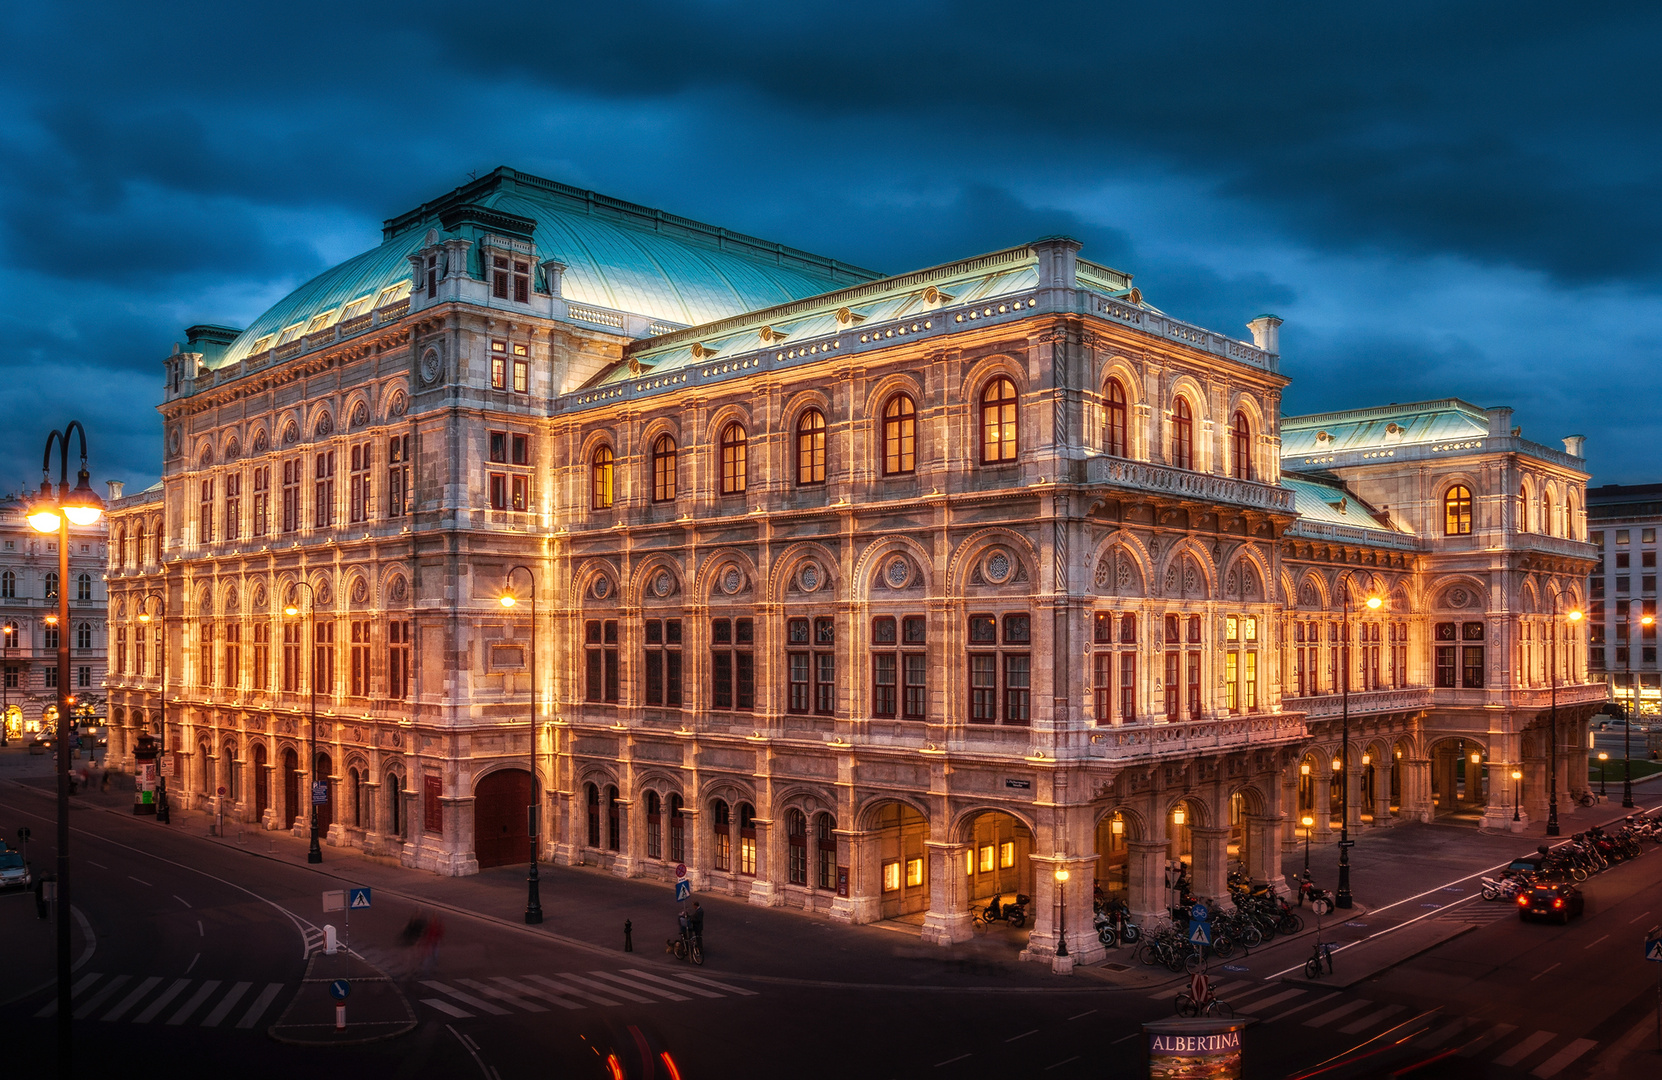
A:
1440,199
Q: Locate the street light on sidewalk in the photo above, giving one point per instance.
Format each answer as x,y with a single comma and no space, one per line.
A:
1637,622
1517,775
144,618
1309,824
1552,750
53,513
1603,758
314,854
1342,897
1062,918
533,894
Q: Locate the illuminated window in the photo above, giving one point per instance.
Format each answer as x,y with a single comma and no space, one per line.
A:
900,436
998,421
1007,854
522,369
1182,435
600,473
1114,401
914,872
734,460
891,876
1240,447
1457,511
663,469
986,858
810,448
499,365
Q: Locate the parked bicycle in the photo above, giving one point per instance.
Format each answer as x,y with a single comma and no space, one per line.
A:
1321,955
1199,1000
687,947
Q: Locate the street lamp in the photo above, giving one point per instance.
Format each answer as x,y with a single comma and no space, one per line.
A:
1603,758
1342,897
1309,824
314,854
1062,919
1517,775
1636,614
161,778
54,513
533,894
5,686
1552,750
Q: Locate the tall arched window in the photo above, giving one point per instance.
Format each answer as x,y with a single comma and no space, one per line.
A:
1546,513
998,421
810,448
796,830
140,555
1240,446
721,832
8,584
1182,435
900,436
52,585
1572,526
663,469
734,460
1118,445
1526,521
600,478
1457,511
83,587
592,799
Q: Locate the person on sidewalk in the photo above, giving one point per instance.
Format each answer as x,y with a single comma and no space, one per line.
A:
697,923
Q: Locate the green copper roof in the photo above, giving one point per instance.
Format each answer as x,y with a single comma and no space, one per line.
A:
1392,425
1332,504
618,255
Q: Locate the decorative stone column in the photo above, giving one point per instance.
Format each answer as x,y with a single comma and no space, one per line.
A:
1321,788
764,890
1211,861
948,919
369,812
627,861
1146,879
1416,789
844,908
1382,793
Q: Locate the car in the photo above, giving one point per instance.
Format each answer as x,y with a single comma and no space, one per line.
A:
1550,898
14,872
41,742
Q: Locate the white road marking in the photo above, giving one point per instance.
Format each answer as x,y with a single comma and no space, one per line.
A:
1443,1034
1023,1035
1525,1048
718,985
532,991
1273,999
181,899
502,995
51,1007
100,865
466,999
1370,1020
573,986
445,1007
141,881
86,1008
193,961
1333,1014
200,930
223,1009
1636,918
1544,970
133,998
194,1003
261,1004
638,973
949,1061
1476,1046
1555,1064
1590,944
1082,1015
155,1007
1300,1008
1059,1064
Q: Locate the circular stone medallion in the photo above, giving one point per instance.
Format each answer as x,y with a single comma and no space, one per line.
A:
808,577
998,567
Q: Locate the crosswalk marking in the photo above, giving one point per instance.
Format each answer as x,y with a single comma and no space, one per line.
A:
155,1008
1370,1020
638,973
466,999
194,1003
1555,1064
611,978
1301,1006
86,1008
132,999
1444,1033
577,986
1265,1003
1525,1048
51,1007
261,1004
1333,1014
444,1006
1476,1046
719,985
512,999
536,992
223,1009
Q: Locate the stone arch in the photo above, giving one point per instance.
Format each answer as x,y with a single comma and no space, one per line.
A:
963,819
360,593
1193,804
878,393
730,413
394,588
791,560
662,781
584,578
1173,580
806,798
728,790
864,812
642,586
870,562
1119,367
259,440
396,400
322,423
982,371
1444,593
1526,496
1529,598
1245,576
1121,565
705,581
970,549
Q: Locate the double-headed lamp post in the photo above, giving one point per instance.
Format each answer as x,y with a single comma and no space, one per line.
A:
314,854
161,661
1552,749
533,892
1637,622
1342,897
49,513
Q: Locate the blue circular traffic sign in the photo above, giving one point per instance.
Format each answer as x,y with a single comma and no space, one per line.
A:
340,989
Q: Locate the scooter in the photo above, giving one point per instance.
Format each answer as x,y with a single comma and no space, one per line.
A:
1015,914
1113,925
1321,901
1504,888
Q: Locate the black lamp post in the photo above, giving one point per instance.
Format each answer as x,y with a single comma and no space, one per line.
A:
1552,749
1517,777
161,749
1061,876
1603,758
9,631
533,892
1637,621
1309,824
50,513
1342,897
314,854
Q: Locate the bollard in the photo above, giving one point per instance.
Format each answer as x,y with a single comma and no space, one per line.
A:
340,1017
330,942
628,936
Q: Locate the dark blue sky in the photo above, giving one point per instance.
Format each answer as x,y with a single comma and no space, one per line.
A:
1441,200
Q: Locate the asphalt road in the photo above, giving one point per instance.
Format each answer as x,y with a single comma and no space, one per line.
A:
170,908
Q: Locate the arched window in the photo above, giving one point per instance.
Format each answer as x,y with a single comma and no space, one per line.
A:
734,460
395,804
720,827
1546,514
1457,511
139,554
52,585
825,838
796,831
1118,445
600,478
810,448
663,469
83,587
356,783
8,584
747,839
1240,447
83,636
654,826
677,831
593,801
900,436
1182,435
614,820
1572,527
998,421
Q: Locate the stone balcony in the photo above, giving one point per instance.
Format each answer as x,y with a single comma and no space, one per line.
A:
1145,477
1154,742
1363,702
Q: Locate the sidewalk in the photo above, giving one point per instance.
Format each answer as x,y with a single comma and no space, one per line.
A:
1400,876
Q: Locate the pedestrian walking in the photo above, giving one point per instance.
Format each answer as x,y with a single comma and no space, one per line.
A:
431,936
697,921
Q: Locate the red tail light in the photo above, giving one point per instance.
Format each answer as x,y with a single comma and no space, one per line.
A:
1523,899
1558,902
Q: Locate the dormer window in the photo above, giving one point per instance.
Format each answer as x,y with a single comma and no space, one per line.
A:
289,333
260,346
356,307
319,322
510,273
392,292
432,275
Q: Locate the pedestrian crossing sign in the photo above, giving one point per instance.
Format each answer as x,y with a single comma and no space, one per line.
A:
360,899
1200,933
683,889
1653,946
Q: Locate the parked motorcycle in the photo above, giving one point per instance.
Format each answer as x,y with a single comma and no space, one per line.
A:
1014,913
1113,924
1505,887
1320,900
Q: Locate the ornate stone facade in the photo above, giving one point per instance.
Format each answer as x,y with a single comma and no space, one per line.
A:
877,599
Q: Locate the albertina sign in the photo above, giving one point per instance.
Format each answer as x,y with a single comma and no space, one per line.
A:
1194,1049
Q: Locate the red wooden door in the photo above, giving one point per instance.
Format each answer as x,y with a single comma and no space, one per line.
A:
500,810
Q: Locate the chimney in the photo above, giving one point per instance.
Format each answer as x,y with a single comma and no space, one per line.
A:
1500,421
1266,333
1575,445
115,487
